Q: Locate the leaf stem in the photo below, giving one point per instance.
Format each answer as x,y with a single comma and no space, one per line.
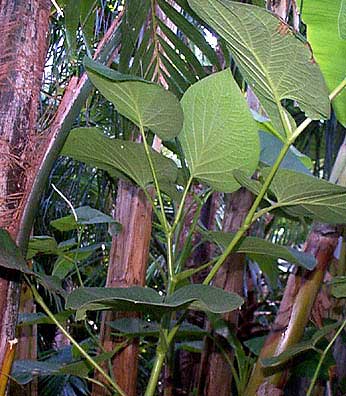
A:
323,356
250,216
182,204
156,182
96,366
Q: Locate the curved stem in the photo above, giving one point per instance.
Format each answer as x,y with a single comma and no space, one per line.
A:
156,182
96,366
323,356
249,218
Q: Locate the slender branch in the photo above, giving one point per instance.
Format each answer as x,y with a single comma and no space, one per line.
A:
249,218
323,356
155,179
96,366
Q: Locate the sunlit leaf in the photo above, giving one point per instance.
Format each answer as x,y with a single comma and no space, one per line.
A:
118,157
142,299
144,103
219,133
256,247
261,45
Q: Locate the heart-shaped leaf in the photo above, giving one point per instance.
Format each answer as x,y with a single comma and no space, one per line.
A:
144,103
142,299
261,45
118,157
219,133
256,248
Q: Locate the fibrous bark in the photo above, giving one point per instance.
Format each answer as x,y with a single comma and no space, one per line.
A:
296,305
128,264
23,47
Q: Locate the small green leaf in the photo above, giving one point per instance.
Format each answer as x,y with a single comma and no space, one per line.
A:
118,157
219,133
85,216
145,104
66,261
261,44
10,256
41,244
256,247
141,299
255,344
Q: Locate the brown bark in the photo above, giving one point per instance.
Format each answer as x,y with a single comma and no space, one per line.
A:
215,375
128,264
23,47
296,306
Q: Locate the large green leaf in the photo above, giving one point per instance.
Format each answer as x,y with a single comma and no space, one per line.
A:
304,196
142,299
10,256
257,248
118,157
219,133
276,63
321,17
145,104
23,371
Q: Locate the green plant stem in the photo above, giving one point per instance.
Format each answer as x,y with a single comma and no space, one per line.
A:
323,356
165,223
155,373
79,242
252,212
250,216
96,366
182,205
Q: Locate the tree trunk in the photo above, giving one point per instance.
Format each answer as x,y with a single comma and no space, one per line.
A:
127,267
215,374
296,305
23,47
